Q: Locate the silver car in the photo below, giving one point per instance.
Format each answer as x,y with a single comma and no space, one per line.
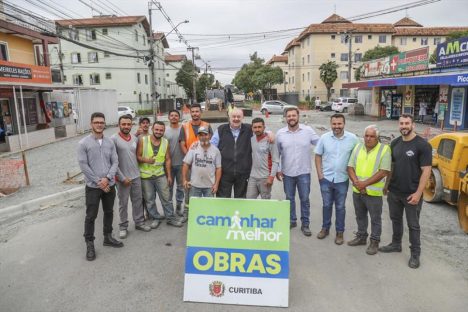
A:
275,107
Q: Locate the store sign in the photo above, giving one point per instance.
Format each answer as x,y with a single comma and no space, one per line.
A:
237,252
453,53
409,61
17,72
456,106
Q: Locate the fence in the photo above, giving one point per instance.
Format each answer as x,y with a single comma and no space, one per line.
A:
13,173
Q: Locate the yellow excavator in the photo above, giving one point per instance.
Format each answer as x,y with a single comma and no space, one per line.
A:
449,176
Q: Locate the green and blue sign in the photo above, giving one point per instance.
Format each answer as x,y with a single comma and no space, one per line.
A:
453,53
237,252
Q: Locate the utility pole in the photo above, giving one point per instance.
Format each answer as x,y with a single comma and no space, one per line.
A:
151,64
350,40
194,81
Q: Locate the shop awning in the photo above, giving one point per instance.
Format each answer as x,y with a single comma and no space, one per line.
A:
38,86
459,79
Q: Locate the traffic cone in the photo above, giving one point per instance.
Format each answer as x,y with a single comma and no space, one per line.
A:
267,114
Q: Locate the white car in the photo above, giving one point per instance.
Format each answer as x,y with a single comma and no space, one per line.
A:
340,105
125,110
275,107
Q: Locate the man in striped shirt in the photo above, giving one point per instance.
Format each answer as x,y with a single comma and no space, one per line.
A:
265,162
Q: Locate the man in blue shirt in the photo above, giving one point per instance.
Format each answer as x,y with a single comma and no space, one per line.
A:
294,147
331,160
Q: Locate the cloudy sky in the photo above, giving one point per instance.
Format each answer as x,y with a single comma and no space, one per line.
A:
222,29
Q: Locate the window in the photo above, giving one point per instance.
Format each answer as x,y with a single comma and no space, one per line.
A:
56,75
344,38
344,57
73,34
77,80
436,41
94,79
138,78
144,39
402,41
104,31
75,58
308,76
147,98
106,54
369,37
357,57
139,98
332,55
3,51
302,77
424,41
358,39
108,76
90,34
446,148
333,37
343,75
167,75
146,79
414,39
332,91
159,81
308,59
92,57
136,35
382,39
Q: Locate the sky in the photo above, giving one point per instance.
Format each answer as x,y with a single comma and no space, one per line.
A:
222,29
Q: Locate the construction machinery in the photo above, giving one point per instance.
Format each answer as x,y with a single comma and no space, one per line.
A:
449,176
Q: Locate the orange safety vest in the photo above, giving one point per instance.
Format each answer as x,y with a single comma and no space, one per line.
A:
190,136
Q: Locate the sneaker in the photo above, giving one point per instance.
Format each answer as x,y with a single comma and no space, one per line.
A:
182,218
339,238
160,217
373,247
358,241
390,248
413,262
305,230
293,224
154,224
123,234
323,233
143,227
174,222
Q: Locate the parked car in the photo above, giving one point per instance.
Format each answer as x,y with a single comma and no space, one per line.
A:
125,110
275,107
326,107
340,105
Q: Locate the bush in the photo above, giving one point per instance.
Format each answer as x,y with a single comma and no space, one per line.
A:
144,112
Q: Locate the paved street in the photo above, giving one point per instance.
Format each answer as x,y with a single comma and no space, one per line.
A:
43,265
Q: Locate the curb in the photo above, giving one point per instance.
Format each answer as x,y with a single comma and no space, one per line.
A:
23,209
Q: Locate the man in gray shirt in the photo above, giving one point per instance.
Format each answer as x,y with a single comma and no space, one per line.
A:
98,161
205,162
265,162
128,174
172,135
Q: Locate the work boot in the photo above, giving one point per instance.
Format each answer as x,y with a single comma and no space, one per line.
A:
179,210
373,247
414,262
392,247
305,230
143,227
174,222
90,252
358,241
339,238
155,224
111,242
293,224
323,233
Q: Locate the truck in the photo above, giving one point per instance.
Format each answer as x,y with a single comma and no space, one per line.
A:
449,174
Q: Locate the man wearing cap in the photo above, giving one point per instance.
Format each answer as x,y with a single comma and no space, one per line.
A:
204,160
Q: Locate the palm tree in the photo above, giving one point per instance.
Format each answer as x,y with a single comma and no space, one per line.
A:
328,75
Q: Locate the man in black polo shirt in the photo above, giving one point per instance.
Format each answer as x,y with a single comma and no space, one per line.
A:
411,169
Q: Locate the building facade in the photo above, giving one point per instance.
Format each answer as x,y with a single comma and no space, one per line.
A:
174,63
280,61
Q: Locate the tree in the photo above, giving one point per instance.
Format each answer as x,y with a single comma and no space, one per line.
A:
205,81
328,75
373,54
256,75
184,77
451,36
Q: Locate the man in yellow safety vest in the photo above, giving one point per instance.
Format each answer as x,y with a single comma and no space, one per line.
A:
368,166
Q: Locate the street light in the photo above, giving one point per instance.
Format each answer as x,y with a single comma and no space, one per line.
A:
174,28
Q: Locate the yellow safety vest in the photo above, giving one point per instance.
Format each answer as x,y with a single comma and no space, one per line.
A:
157,168
367,164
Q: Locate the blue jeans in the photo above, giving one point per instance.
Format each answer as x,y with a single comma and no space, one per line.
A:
334,193
159,185
200,192
177,176
302,182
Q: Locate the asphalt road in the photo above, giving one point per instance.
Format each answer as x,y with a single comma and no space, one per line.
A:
43,265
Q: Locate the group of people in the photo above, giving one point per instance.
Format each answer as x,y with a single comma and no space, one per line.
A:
243,160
